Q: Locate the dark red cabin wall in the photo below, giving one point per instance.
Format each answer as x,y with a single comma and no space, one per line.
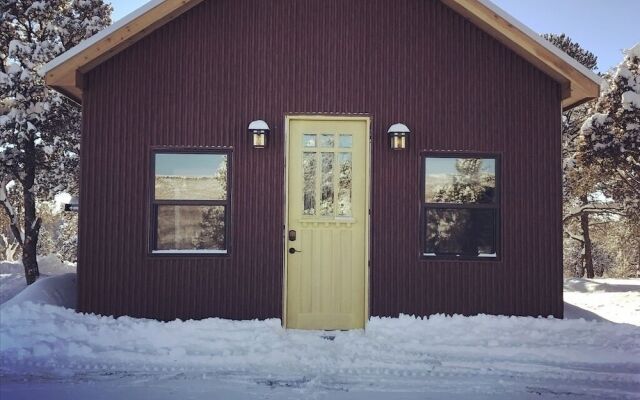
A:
199,80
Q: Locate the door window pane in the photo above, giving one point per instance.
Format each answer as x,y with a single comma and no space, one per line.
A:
190,227
460,180
344,184
461,232
346,141
326,140
326,198
309,172
190,176
309,140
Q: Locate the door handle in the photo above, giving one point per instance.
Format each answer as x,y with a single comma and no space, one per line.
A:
294,251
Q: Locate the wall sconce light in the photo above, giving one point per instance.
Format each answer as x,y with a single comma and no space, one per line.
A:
259,130
398,134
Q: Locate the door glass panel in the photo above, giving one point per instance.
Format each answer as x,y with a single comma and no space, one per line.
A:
326,198
309,140
346,141
309,171
344,184
326,140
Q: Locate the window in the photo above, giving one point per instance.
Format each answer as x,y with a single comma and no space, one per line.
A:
461,207
190,202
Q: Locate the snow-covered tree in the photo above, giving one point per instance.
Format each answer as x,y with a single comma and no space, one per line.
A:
39,128
610,138
582,183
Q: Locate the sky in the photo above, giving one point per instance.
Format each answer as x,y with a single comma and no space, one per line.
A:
604,27
188,164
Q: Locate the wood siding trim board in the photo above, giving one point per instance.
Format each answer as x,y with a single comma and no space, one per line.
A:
454,85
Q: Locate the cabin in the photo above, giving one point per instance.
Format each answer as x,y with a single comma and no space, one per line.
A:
320,161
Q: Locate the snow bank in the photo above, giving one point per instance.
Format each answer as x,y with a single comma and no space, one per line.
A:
457,357
62,341
12,280
616,300
59,290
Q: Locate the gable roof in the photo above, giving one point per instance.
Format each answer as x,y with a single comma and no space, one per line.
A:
578,83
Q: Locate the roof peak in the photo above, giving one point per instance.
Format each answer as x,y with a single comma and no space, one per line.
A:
579,84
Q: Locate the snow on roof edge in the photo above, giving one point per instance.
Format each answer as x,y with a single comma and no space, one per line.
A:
86,43
542,41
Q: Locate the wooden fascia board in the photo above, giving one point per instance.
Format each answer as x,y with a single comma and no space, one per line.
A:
576,86
64,72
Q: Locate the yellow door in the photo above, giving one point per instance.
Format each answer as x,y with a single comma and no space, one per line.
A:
326,253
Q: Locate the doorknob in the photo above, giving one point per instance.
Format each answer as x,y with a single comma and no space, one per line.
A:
294,251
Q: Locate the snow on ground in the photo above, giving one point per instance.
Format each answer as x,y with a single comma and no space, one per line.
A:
52,352
616,300
12,279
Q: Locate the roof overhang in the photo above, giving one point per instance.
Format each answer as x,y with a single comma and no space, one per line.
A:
64,73
579,84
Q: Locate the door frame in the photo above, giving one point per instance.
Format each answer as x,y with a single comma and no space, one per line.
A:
328,117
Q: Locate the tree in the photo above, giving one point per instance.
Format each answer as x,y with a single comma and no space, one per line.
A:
573,49
610,138
39,128
580,180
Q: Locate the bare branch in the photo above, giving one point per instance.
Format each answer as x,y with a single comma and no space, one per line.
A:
593,208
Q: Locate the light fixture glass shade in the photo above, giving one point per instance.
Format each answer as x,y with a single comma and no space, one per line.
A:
260,130
398,142
259,140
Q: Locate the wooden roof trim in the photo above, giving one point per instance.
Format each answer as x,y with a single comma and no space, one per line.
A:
64,73
578,83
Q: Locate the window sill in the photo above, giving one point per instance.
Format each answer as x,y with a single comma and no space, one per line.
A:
188,253
479,258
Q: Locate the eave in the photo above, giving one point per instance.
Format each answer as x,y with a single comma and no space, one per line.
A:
578,84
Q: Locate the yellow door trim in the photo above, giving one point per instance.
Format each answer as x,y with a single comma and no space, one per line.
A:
327,117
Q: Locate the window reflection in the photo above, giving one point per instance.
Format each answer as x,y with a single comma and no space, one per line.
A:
190,176
460,180
344,184
463,232
309,177
190,227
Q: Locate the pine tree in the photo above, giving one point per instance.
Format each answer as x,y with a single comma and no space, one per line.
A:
39,128
573,49
610,139
580,180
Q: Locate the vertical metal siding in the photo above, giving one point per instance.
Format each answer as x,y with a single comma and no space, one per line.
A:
200,79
